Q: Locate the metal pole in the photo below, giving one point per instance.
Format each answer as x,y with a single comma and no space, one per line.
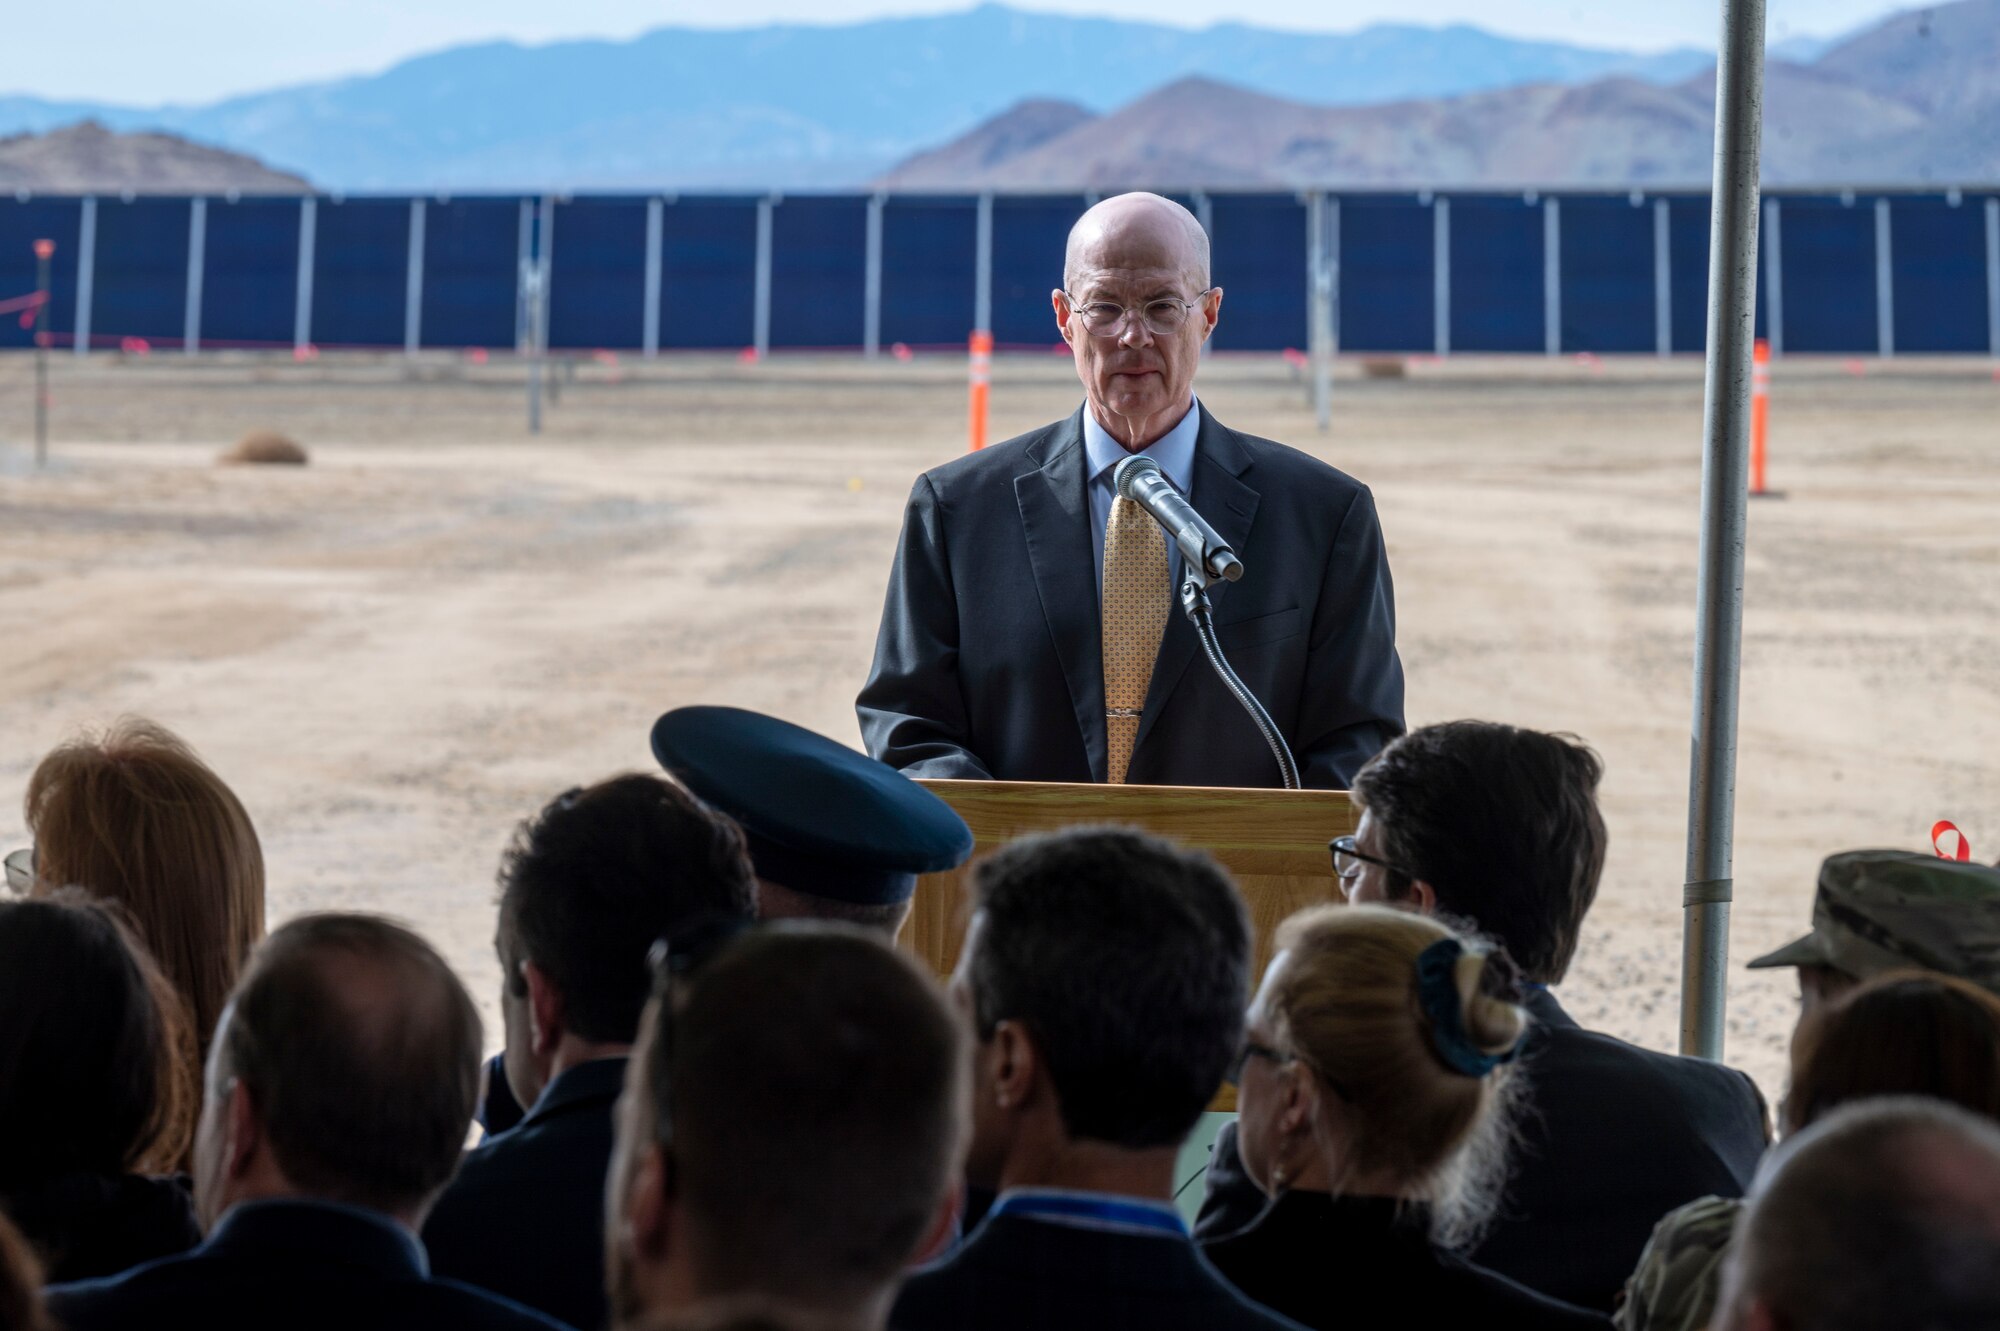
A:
531,297
760,319
1441,275
413,286
1552,276
302,306
1732,294
1204,213
86,273
871,287
1319,300
982,270
525,257
197,253
545,297
1774,273
1992,275
656,218
1885,283
44,251
1663,279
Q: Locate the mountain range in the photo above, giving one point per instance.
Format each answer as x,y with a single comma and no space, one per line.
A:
1913,100
803,105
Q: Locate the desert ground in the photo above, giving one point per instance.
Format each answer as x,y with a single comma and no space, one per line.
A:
397,652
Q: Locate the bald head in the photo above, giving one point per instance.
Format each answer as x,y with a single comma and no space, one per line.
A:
1882,1215
359,1050
1136,231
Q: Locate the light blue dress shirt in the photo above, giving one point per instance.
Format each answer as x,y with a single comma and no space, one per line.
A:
1174,451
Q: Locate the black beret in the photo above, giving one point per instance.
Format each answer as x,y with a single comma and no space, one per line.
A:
819,817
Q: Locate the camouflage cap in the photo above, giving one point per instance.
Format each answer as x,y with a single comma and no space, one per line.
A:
1882,910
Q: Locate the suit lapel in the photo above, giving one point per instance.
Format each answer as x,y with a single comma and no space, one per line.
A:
1230,506
1055,513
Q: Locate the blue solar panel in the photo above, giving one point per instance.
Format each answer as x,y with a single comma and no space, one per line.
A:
1938,257
22,223
142,270
1828,252
1497,295
1607,274
598,289
1030,233
1257,254
818,275
361,259
708,273
929,253
250,277
472,259
1387,271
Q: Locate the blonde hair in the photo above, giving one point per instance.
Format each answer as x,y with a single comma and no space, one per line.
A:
134,816
1349,1005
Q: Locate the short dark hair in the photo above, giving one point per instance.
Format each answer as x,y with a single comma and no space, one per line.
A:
97,1062
596,876
1902,1033
1128,961
817,1088
1884,1214
360,1050
1503,823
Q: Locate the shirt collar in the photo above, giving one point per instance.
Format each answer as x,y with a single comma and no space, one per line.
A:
1174,450
318,1229
595,1082
1103,1211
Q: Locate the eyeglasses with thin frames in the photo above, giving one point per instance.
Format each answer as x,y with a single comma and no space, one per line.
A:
1163,317
1348,859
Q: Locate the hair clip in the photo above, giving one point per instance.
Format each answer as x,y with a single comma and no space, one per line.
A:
1443,1008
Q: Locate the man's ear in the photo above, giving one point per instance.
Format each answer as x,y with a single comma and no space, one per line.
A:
245,1131
1211,312
546,1017
1063,315
1421,897
1014,1063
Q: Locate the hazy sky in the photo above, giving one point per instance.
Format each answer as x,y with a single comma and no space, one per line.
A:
145,51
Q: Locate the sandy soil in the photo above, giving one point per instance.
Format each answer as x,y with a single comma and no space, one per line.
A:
397,652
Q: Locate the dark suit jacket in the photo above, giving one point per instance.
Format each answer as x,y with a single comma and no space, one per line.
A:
89,1225
1334,1263
524,1216
1021,1274
989,663
304,1266
1612,1137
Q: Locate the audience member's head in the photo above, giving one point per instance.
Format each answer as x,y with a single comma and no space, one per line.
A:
1902,1033
1490,823
585,888
791,1129
345,1069
1105,972
834,834
1877,911
1882,1216
135,816
96,1056
20,1282
1376,1062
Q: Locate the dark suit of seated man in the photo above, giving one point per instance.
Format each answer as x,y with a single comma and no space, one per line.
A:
339,1089
585,888
995,659
1499,827
1104,972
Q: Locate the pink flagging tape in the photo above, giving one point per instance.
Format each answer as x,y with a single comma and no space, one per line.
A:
1939,831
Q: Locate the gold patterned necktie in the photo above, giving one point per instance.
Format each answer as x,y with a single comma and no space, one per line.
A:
1136,600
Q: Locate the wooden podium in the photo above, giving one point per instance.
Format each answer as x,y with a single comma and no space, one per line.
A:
1273,842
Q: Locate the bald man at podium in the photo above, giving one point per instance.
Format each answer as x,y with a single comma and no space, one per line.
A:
1032,630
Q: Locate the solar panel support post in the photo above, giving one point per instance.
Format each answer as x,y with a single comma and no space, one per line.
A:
982,276
1992,276
525,256
1552,276
656,222
413,282
1663,280
1732,292
1774,276
760,331
197,256
1885,283
86,272
871,286
1322,248
1204,213
302,301
1441,275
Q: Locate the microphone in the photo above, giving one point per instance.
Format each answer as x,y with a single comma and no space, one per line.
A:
1141,480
